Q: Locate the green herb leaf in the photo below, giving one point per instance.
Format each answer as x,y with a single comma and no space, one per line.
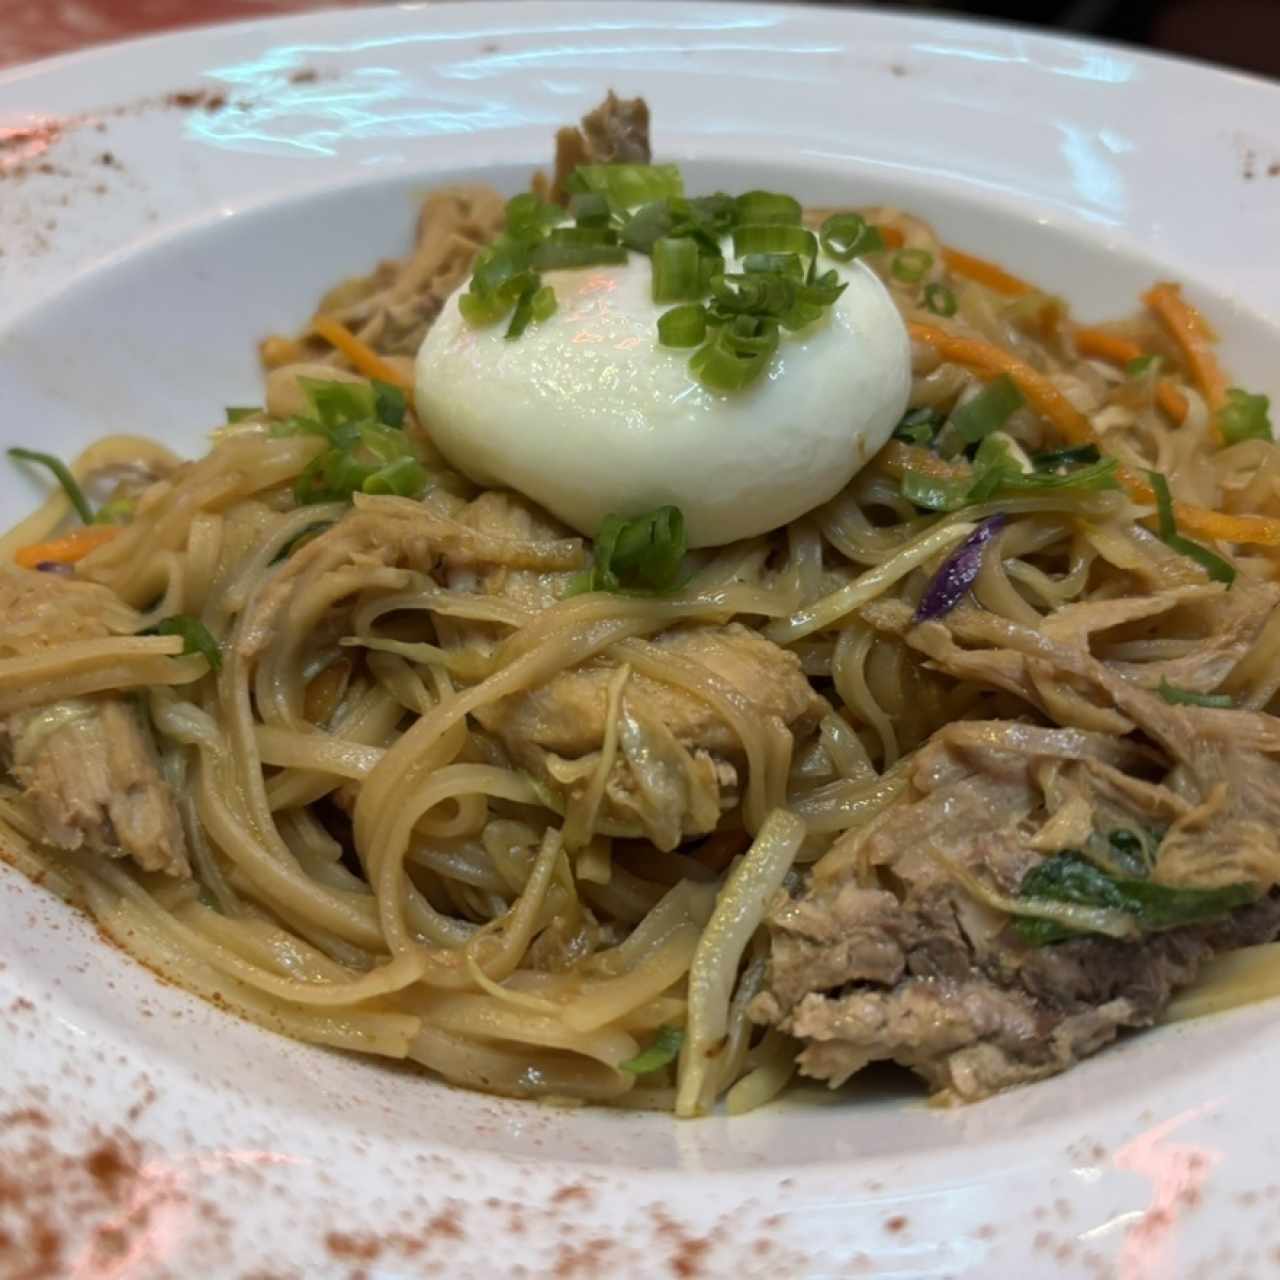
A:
1244,417
590,209
645,553
767,207
736,354
529,218
239,412
196,637
1213,564
1069,877
663,1051
675,270
1189,697
63,476
684,326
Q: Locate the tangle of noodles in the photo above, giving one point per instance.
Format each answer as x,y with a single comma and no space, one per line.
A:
373,865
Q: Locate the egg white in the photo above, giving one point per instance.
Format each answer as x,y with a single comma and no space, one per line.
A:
588,415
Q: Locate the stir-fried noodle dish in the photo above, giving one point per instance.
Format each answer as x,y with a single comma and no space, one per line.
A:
646,648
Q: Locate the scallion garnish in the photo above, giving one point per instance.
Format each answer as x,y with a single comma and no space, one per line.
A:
675,270
196,637
783,264
528,217
911,265
627,185
684,326
63,476
1244,416
645,553
1189,697
773,238
939,299
1140,366
767,206
1076,456
589,209
1213,564
845,236
918,426
663,1051
388,403
736,354
559,252
988,410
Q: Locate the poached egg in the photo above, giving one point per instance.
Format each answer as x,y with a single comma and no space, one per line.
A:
588,415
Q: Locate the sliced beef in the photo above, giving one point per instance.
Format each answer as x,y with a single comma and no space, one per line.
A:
89,767
892,951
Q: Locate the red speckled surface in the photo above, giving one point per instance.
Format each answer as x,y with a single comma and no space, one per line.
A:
40,28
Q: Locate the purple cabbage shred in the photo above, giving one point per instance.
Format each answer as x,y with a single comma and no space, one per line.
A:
952,582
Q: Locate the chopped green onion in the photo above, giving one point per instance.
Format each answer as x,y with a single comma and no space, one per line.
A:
988,410
196,637
528,217
63,476
405,478
756,294
338,402
768,206
589,209
1245,416
1078,455
1140,366
388,403
523,313
1189,697
939,299
783,264
768,238
555,254
117,511
239,412
544,303
1213,564
645,553
684,326
736,354
845,236
628,185
675,271
911,265
714,215
647,225
918,426
663,1051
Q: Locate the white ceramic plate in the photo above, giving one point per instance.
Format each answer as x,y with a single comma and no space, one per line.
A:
146,240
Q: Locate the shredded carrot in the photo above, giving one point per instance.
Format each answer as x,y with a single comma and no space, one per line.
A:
1098,344
892,237
983,272
1191,332
66,550
983,358
363,356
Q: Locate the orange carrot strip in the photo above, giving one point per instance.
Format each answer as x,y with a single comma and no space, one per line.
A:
1098,344
892,237
363,356
66,550
983,272
1190,331
983,358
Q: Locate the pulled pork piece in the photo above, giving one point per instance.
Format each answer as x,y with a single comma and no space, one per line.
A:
897,949
40,611
676,764
89,767
616,132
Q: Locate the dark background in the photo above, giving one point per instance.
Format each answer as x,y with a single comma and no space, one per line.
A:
1238,33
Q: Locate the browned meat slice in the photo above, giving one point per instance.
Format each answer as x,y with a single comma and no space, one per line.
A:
896,949
616,132
41,610
89,767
